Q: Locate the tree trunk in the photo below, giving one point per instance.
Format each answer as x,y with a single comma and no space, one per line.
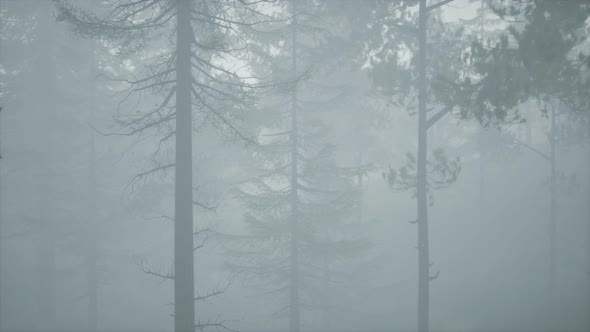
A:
482,131
421,185
552,206
482,202
184,312
1,221
294,276
588,230
92,250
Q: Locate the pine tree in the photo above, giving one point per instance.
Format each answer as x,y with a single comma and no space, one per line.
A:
419,174
299,204
547,54
196,89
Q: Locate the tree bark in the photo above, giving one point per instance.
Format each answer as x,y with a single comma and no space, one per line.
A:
588,230
552,206
294,276
481,174
421,185
184,313
1,221
92,250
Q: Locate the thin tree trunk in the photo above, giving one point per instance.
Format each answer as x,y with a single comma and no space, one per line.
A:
482,132
482,202
294,277
588,231
552,207
184,312
422,199
1,239
92,250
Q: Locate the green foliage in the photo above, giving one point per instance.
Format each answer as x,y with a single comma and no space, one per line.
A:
442,172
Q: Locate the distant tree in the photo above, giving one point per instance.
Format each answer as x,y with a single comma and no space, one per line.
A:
541,49
405,31
92,249
29,28
1,220
300,202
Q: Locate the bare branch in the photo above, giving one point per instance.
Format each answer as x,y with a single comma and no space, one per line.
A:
223,119
166,276
438,5
205,206
218,325
197,233
142,175
435,118
212,294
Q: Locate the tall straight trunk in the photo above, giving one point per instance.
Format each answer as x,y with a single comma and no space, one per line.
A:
482,132
552,206
294,275
184,309
46,113
421,185
1,221
92,250
588,231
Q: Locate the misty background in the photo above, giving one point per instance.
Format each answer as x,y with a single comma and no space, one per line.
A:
294,165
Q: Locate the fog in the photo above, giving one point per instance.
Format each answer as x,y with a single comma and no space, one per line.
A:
294,165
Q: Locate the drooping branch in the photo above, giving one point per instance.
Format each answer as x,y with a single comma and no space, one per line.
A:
220,291
152,119
142,175
120,24
217,114
148,270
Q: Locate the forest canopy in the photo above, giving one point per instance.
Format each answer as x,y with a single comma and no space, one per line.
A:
294,165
